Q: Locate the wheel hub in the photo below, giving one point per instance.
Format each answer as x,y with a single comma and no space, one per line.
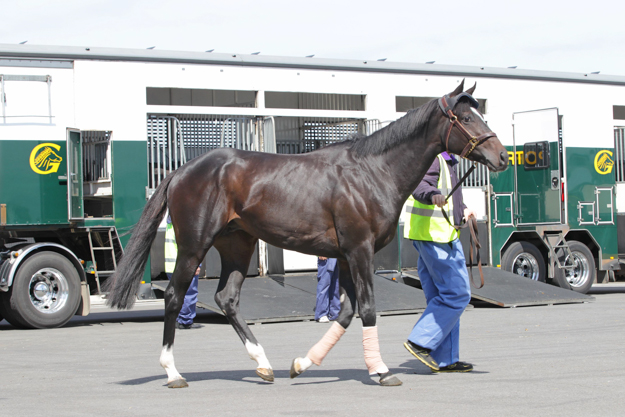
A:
41,291
526,266
48,290
580,271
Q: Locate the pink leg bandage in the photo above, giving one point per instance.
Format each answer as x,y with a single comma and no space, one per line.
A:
373,359
322,347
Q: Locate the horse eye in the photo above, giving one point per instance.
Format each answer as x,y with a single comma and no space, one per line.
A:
467,119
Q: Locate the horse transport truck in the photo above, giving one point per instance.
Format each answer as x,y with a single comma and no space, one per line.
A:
86,135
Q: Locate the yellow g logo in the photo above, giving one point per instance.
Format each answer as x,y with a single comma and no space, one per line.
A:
43,159
604,162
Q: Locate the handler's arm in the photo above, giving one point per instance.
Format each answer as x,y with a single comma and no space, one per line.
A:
427,189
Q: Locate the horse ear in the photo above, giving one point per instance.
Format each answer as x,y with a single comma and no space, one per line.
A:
472,89
458,89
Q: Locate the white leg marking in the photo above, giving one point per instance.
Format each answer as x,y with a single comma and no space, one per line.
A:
257,353
304,363
167,362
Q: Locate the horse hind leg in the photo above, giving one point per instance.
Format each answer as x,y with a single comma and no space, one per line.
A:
236,250
174,379
186,264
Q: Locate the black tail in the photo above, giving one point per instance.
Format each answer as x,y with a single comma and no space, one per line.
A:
124,284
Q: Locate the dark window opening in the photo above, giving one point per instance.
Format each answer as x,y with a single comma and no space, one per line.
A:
536,155
314,101
618,112
200,97
405,103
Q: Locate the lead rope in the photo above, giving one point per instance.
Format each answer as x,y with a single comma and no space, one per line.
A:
474,243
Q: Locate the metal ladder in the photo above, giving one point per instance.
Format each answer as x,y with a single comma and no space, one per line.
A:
555,240
95,235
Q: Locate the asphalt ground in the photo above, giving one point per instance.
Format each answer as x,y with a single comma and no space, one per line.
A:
561,360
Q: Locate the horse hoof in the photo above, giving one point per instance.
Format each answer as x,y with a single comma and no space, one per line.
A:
296,370
390,381
265,374
178,383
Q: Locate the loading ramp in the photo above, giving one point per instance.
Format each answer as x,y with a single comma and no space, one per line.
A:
505,289
292,297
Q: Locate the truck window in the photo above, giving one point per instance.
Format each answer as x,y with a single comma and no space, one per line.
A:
536,155
25,98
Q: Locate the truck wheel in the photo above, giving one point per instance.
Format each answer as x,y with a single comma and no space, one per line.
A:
583,272
45,292
524,259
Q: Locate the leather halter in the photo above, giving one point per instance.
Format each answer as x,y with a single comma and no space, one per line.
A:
474,141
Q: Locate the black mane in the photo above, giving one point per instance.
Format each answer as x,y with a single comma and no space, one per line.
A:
415,122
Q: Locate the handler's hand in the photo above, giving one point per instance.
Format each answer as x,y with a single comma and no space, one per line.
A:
438,200
323,258
468,212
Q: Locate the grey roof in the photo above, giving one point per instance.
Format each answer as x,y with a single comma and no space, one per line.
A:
41,52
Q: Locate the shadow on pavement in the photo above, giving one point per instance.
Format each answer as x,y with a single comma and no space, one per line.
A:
250,377
311,377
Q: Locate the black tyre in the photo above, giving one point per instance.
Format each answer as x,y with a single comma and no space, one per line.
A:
583,272
524,259
45,292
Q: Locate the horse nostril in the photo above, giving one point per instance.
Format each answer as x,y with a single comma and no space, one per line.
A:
503,157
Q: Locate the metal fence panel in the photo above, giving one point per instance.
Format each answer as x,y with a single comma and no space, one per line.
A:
175,139
95,155
306,134
478,178
165,148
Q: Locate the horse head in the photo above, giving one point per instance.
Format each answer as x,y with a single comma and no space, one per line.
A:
472,138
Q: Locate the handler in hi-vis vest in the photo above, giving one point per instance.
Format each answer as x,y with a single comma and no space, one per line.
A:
434,340
187,312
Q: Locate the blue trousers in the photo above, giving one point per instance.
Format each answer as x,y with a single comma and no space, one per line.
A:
187,312
445,282
328,298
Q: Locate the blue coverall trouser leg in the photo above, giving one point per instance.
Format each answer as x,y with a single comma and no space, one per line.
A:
187,312
328,301
445,282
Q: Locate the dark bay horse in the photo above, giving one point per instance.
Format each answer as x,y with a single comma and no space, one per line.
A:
342,201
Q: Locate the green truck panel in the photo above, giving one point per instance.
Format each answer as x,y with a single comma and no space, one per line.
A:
130,178
590,187
592,182
32,183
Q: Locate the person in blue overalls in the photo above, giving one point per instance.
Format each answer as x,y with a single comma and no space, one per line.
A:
328,302
187,312
435,338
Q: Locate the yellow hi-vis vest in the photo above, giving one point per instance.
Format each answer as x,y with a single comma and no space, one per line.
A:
426,221
171,249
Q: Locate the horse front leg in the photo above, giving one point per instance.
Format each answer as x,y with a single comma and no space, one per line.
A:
174,298
361,265
319,351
